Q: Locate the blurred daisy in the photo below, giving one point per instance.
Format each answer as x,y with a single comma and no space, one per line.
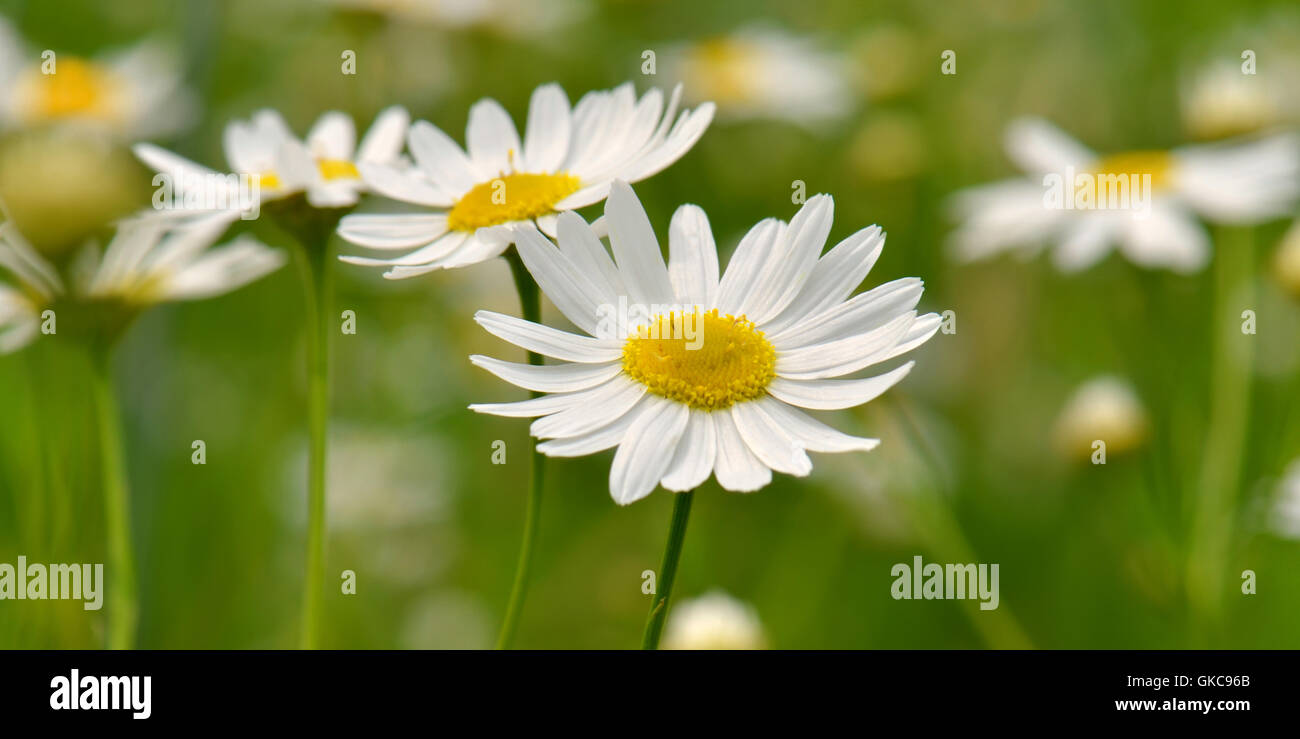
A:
710,379
508,17
1103,409
1286,261
134,92
567,159
1219,101
1286,507
325,166
764,73
148,261
1240,182
714,620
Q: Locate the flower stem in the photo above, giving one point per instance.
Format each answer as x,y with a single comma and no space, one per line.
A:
654,624
123,605
318,285
1230,370
530,303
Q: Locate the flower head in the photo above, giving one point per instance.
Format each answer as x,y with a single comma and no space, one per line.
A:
1144,202
714,620
1103,409
150,260
325,167
566,159
132,93
690,374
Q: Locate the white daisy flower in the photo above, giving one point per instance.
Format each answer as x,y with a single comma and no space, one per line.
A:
135,92
711,378
764,73
714,620
567,159
1238,182
1285,517
325,166
148,261
508,17
1103,409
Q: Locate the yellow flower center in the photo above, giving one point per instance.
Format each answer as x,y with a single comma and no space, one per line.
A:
705,360
724,69
510,197
268,180
337,169
76,87
1158,164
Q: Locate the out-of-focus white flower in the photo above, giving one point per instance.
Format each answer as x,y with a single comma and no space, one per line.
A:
566,160
325,166
150,260
1219,101
1286,261
507,17
764,73
704,375
134,92
1286,507
1103,409
1085,204
714,620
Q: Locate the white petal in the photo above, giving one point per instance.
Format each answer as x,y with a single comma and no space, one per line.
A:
794,258
812,434
1166,238
862,313
692,463
492,140
736,468
392,230
222,269
636,250
1038,147
834,278
333,137
435,250
1085,242
572,292
534,407
828,395
582,246
382,144
692,257
550,378
612,399
768,442
753,253
546,140
406,185
605,437
842,356
441,158
646,451
550,342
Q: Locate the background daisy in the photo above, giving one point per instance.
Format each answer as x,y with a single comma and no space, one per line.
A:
567,159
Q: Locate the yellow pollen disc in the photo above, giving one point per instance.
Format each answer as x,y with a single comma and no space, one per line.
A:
510,197
337,169
1158,164
268,180
705,360
75,88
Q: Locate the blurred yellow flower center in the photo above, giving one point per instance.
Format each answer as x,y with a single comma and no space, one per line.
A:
268,180
76,87
723,69
1158,164
705,360
510,197
337,169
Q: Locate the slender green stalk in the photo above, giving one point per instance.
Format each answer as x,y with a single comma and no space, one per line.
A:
122,597
1230,373
654,624
314,262
530,303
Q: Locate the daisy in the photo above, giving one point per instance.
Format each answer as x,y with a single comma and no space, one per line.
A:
134,92
1285,518
764,73
1240,182
508,17
263,148
566,159
148,261
727,399
714,620
1105,409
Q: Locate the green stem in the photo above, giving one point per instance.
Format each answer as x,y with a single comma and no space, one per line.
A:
654,625
314,263
530,303
123,605
1230,372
